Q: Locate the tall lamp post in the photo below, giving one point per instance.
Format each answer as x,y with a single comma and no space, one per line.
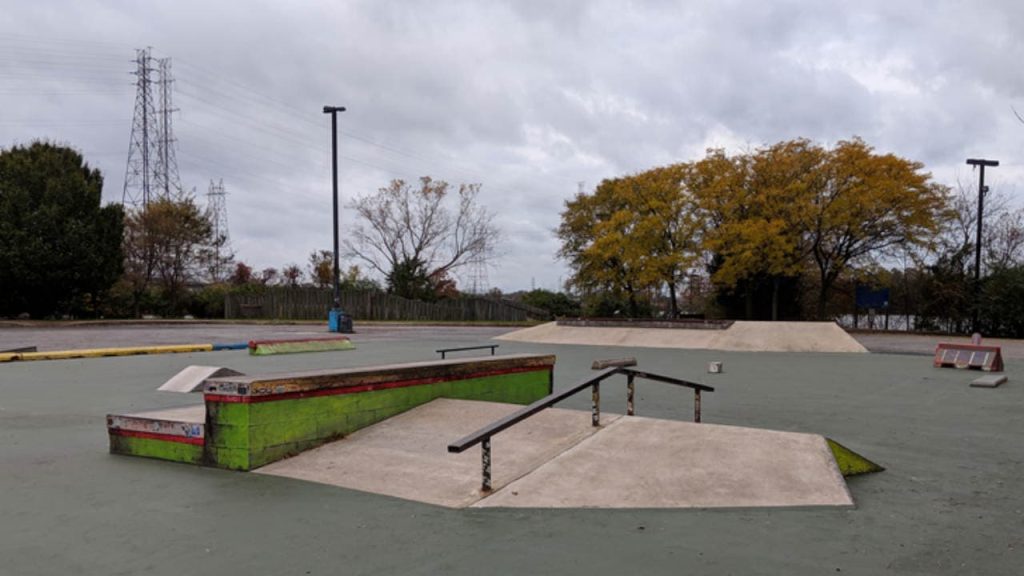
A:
982,190
337,319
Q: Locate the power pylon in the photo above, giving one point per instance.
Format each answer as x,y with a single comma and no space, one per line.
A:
138,177
217,208
152,169
168,184
478,276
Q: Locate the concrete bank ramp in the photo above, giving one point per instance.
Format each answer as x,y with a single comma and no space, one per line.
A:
556,459
407,455
740,336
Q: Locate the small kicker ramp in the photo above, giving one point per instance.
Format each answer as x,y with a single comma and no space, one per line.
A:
191,379
558,460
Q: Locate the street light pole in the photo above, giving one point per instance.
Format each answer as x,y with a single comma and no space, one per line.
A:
982,190
337,320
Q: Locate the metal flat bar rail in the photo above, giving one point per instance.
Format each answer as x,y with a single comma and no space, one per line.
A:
19,350
483,435
444,351
665,379
548,401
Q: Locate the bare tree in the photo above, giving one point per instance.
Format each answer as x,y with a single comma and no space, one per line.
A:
270,276
292,275
1002,236
1004,240
411,236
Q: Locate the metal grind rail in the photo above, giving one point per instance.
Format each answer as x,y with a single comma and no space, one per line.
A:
483,436
445,351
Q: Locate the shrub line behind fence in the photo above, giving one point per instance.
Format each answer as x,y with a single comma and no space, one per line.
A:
313,303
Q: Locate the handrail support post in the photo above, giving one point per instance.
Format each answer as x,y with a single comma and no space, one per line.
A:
696,405
485,451
630,390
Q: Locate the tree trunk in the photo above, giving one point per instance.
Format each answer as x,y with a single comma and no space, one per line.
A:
674,307
748,303
826,285
775,299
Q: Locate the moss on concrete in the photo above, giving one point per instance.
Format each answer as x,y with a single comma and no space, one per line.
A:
243,436
850,463
299,346
153,448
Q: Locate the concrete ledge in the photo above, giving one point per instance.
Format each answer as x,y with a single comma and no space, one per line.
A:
413,372
740,336
678,324
103,352
176,434
250,421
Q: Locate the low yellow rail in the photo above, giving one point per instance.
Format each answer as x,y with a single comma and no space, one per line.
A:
102,352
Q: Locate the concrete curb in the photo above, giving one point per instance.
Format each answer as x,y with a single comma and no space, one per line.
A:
104,352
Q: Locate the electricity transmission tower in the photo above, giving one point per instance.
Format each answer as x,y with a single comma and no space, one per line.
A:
478,276
152,169
168,184
217,208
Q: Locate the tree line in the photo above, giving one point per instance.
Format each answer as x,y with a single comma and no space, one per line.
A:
64,254
785,231
781,231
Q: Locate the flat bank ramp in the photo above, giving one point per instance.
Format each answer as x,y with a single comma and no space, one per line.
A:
740,336
639,462
556,459
406,456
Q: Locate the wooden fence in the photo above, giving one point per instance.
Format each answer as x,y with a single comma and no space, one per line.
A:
313,304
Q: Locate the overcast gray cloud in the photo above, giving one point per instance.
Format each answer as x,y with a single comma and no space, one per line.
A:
528,98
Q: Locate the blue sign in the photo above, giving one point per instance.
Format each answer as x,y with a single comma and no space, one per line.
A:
868,298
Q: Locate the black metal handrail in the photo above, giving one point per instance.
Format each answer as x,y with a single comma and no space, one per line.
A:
483,435
19,350
444,351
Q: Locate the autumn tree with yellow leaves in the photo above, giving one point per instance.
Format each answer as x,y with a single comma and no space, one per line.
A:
631,235
794,210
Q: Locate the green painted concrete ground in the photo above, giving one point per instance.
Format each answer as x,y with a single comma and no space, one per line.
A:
950,501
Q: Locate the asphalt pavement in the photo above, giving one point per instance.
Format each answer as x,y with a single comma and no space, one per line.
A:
949,502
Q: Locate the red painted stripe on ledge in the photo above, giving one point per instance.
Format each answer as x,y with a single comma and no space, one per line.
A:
194,440
232,399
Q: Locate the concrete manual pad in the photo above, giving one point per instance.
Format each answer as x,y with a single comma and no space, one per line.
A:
990,381
406,456
646,463
740,336
192,414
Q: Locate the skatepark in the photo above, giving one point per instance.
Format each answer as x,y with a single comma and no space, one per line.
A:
948,500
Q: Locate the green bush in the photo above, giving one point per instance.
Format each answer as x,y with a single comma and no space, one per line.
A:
208,301
558,304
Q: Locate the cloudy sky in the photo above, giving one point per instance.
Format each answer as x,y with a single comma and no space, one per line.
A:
529,98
